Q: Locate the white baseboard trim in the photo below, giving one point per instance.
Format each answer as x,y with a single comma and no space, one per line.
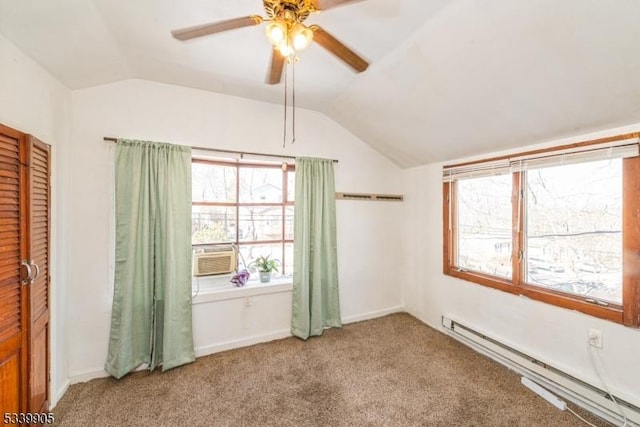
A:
61,391
233,344
85,376
241,342
373,314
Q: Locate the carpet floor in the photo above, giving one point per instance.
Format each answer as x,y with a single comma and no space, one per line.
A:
390,371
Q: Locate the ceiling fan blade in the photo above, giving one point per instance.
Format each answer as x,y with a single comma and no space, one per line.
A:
216,27
328,4
337,48
277,64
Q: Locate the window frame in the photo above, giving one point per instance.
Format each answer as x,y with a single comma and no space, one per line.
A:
628,313
237,204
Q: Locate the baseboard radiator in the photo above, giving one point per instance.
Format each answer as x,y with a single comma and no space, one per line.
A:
585,395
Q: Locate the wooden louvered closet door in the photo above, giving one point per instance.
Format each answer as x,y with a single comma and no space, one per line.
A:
24,272
37,171
13,356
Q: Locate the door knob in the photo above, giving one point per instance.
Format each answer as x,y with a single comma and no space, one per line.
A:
27,279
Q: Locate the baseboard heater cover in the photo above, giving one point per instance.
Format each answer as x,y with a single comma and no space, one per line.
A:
559,382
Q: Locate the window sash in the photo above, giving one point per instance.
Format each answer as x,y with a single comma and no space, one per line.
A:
629,312
238,205
554,241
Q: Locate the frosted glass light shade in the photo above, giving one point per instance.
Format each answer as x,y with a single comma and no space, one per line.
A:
285,49
276,32
301,36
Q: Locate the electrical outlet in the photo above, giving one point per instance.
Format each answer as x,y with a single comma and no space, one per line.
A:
595,338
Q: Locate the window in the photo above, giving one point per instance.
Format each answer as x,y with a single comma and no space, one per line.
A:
573,233
558,225
484,224
246,204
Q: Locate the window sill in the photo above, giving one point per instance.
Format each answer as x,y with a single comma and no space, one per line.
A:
252,288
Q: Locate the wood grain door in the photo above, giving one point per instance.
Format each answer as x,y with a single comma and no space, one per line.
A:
38,187
13,295
24,273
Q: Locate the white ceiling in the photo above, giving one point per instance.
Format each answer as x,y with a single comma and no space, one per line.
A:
448,78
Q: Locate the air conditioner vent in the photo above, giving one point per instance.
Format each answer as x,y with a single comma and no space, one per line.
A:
210,263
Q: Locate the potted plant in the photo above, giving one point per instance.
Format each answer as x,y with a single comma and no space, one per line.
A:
265,267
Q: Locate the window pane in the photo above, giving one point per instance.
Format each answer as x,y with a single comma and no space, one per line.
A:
213,224
288,223
251,252
291,186
574,229
287,269
484,225
260,185
260,223
213,183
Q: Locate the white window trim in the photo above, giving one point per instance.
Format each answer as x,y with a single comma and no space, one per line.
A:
252,288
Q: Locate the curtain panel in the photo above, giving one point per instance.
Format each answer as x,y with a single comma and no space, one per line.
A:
151,319
315,302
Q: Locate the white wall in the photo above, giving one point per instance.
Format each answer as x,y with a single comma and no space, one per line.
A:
34,102
369,233
555,335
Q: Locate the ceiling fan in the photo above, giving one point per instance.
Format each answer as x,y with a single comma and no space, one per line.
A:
286,32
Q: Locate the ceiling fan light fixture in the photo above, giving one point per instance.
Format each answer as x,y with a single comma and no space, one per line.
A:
301,37
286,49
286,32
276,32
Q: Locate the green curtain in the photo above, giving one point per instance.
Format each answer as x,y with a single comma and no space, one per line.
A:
151,316
315,304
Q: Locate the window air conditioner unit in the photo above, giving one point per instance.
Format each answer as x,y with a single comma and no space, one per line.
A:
216,262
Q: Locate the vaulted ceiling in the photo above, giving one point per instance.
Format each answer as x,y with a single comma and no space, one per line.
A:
447,78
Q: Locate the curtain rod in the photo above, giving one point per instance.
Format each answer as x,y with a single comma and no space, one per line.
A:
241,153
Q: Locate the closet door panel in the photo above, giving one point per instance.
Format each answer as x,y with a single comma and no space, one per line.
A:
13,307
10,380
38,247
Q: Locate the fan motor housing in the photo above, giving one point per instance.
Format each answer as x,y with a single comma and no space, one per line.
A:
298,9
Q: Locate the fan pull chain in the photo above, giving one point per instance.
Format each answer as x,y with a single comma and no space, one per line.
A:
292,62
293,82
286,84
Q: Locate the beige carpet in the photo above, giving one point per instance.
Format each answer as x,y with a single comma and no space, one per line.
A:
391,371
